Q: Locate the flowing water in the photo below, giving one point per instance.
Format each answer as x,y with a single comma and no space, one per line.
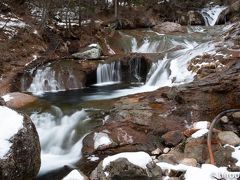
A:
109,73
211,14
69,118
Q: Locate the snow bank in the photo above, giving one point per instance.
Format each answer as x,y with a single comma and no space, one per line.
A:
140,159
10,123
101,139
74,175
206,171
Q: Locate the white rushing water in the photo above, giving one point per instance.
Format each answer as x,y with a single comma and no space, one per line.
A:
44,81
109,73
57,133
211,14
169,71
47,80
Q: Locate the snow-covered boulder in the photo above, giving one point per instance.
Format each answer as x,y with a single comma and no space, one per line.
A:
93,51
19,146
127,165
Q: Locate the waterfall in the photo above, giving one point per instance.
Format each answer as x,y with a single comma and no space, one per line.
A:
57,137
146,47
43,81
135,70
48,80
173,71
109,73
211,14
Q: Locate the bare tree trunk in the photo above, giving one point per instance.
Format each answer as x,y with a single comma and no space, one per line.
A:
116,9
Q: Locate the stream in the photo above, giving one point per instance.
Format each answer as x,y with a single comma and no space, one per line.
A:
72,111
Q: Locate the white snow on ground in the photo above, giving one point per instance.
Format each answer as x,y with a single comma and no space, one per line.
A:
10,24
206,172
74,175
201,125
7,97
93,158
202,128
10,123
101,139
236,155
200,133
140,159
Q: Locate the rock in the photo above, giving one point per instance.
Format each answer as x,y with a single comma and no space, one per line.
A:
2,102
196,149
189,162
195,18
172,138
23,159
156,151
223,157
234,53
229,137
154,170
236,117
173,157
18,100
93,52
168,27
166,150
224,119
120,168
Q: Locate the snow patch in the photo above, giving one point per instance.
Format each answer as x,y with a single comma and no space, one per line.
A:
201,125
206,171
11,122
74,175
101,139
7,97
200,133
93,158
140,159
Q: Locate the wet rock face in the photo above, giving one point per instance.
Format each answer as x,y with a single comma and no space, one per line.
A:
23,160
168,27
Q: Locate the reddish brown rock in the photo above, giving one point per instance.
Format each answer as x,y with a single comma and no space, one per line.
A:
168,27
172,138
18,100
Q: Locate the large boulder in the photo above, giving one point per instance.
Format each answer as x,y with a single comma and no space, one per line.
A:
18,100
93,51
20,146
168,27
134,165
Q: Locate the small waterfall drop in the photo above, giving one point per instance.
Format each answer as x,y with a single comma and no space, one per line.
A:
46,79
146,47
43,81
135,70
173,71
211,14
109,73
56,133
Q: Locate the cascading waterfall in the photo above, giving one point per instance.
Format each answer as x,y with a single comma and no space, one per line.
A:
146,47
48,80
109,73
173,71
57,133
211,14
44,81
